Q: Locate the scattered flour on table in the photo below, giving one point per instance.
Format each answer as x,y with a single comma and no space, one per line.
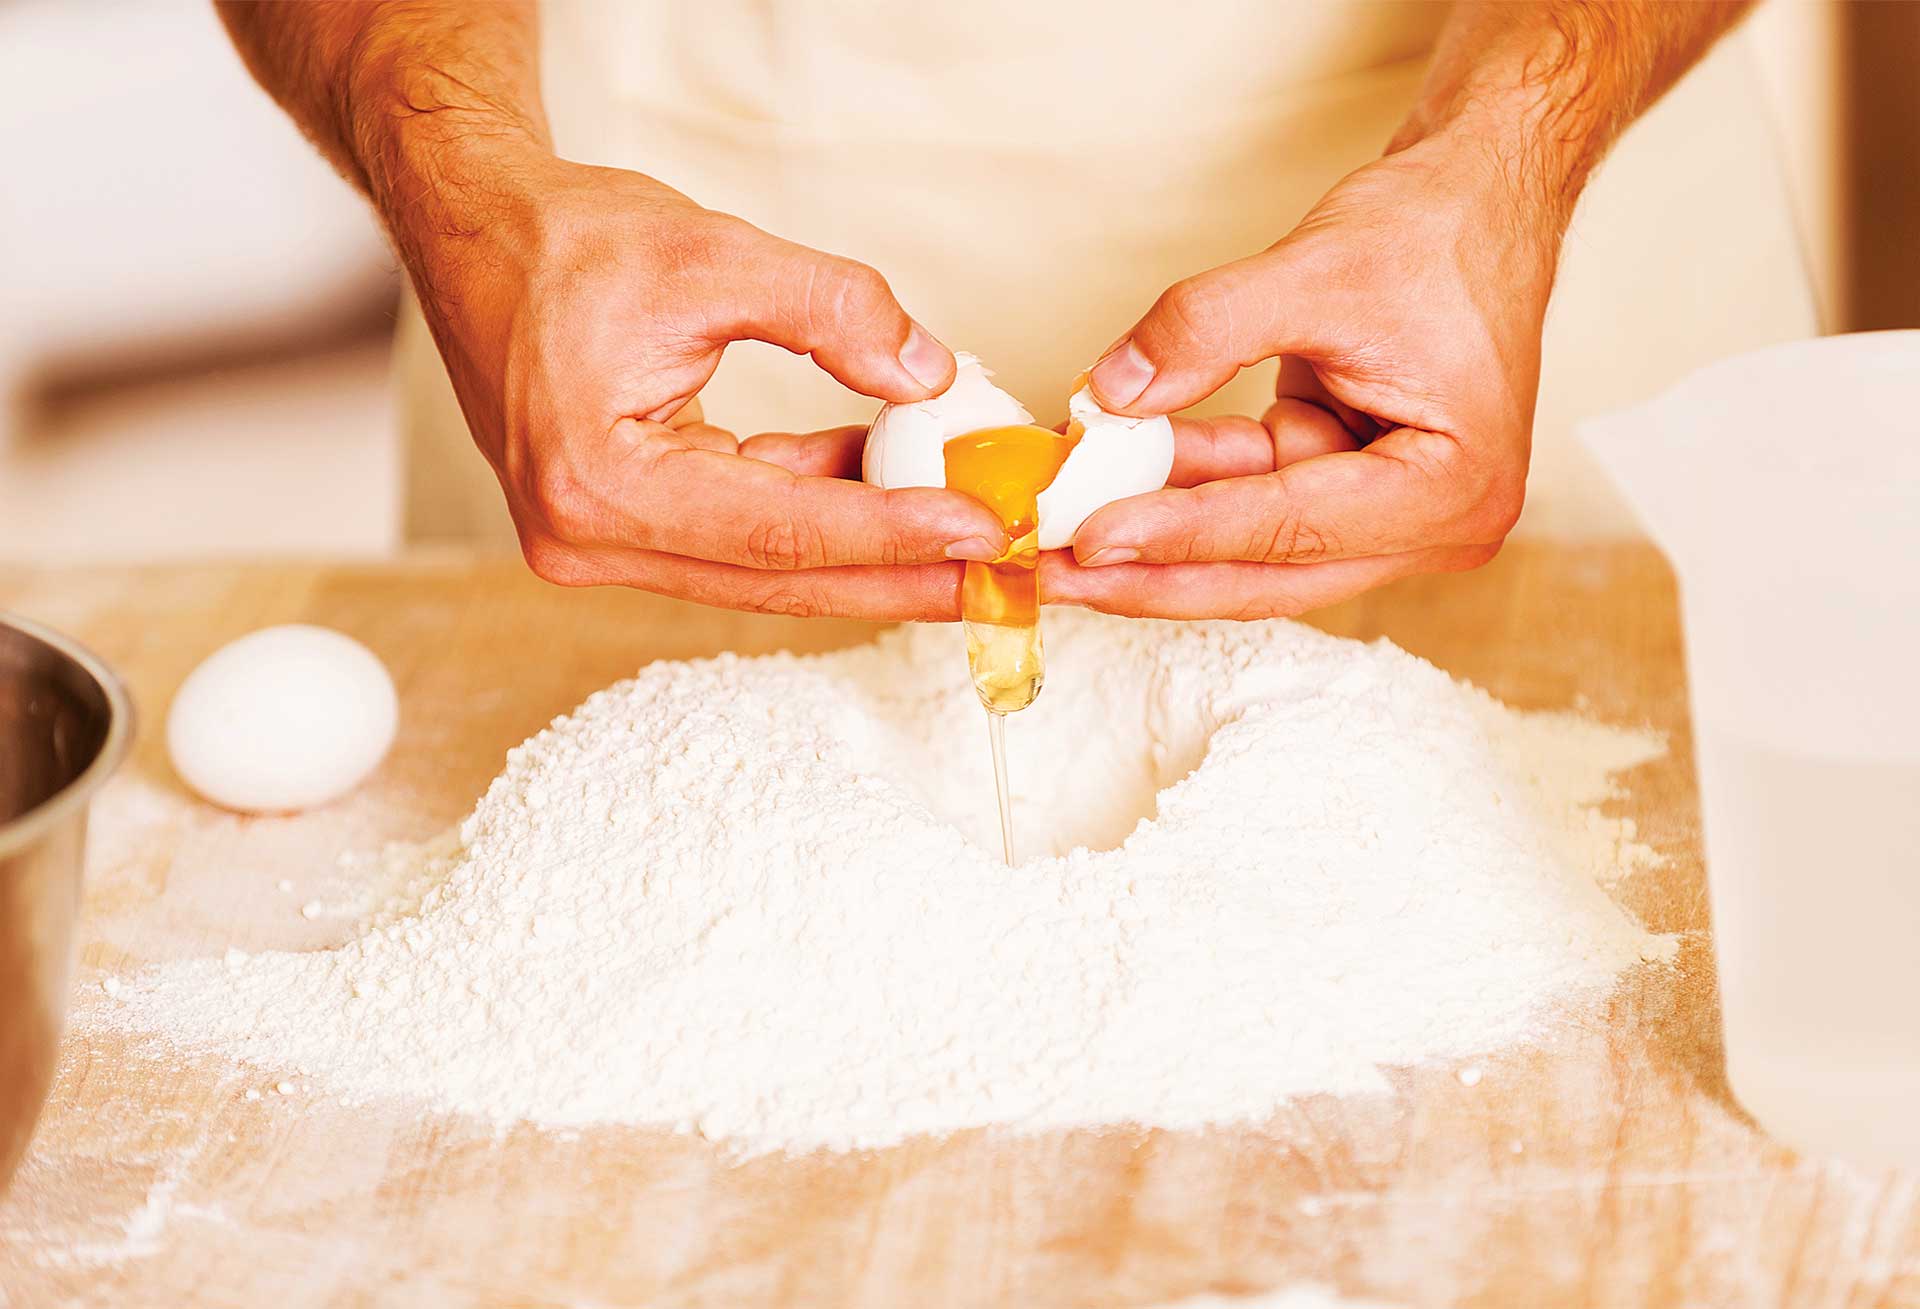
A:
83,1237
1301,1295
761,898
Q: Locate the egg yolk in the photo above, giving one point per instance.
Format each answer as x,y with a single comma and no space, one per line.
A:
1006,468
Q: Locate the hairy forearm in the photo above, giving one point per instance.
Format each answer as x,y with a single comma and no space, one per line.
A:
1548,85
399,95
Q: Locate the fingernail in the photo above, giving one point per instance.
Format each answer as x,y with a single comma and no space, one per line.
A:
1123,375
925,358
1111,554
976,548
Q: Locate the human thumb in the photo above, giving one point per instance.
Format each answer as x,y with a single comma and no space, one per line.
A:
1199,333
841,312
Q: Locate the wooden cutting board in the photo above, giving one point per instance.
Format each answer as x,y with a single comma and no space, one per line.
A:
1609,1167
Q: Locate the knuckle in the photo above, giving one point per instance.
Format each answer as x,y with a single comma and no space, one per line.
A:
554,562
1485,489
564,500
782,543
893,548
857,292
689,245
1497,507
1289,539
1444,461
1197,308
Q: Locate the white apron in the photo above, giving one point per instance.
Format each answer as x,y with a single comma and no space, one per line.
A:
1030,174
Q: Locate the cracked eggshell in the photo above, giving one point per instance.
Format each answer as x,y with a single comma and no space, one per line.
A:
905,444
1115,457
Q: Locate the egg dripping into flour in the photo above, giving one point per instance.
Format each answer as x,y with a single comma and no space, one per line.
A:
977,439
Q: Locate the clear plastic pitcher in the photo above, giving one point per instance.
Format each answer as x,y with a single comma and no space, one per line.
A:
1784,487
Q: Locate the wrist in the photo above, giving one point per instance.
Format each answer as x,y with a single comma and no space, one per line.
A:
442,154
444,190
1511,197
1535,92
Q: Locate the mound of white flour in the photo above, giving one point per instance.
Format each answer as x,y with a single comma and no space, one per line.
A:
762,898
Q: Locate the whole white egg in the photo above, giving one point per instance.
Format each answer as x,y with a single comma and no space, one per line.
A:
282,719
1115,457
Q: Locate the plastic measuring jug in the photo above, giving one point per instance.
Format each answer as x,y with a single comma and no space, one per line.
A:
1784,488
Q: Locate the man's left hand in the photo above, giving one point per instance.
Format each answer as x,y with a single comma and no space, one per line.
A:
1406,312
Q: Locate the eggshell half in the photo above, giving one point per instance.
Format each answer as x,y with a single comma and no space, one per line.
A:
1115,457
905,444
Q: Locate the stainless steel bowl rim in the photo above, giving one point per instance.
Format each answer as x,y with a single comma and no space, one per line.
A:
24,830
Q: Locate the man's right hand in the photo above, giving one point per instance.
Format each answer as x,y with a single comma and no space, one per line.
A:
580,310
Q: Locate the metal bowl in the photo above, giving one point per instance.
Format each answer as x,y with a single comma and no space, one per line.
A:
65,723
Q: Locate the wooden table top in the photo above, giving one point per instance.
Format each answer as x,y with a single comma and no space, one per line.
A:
1607,1167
